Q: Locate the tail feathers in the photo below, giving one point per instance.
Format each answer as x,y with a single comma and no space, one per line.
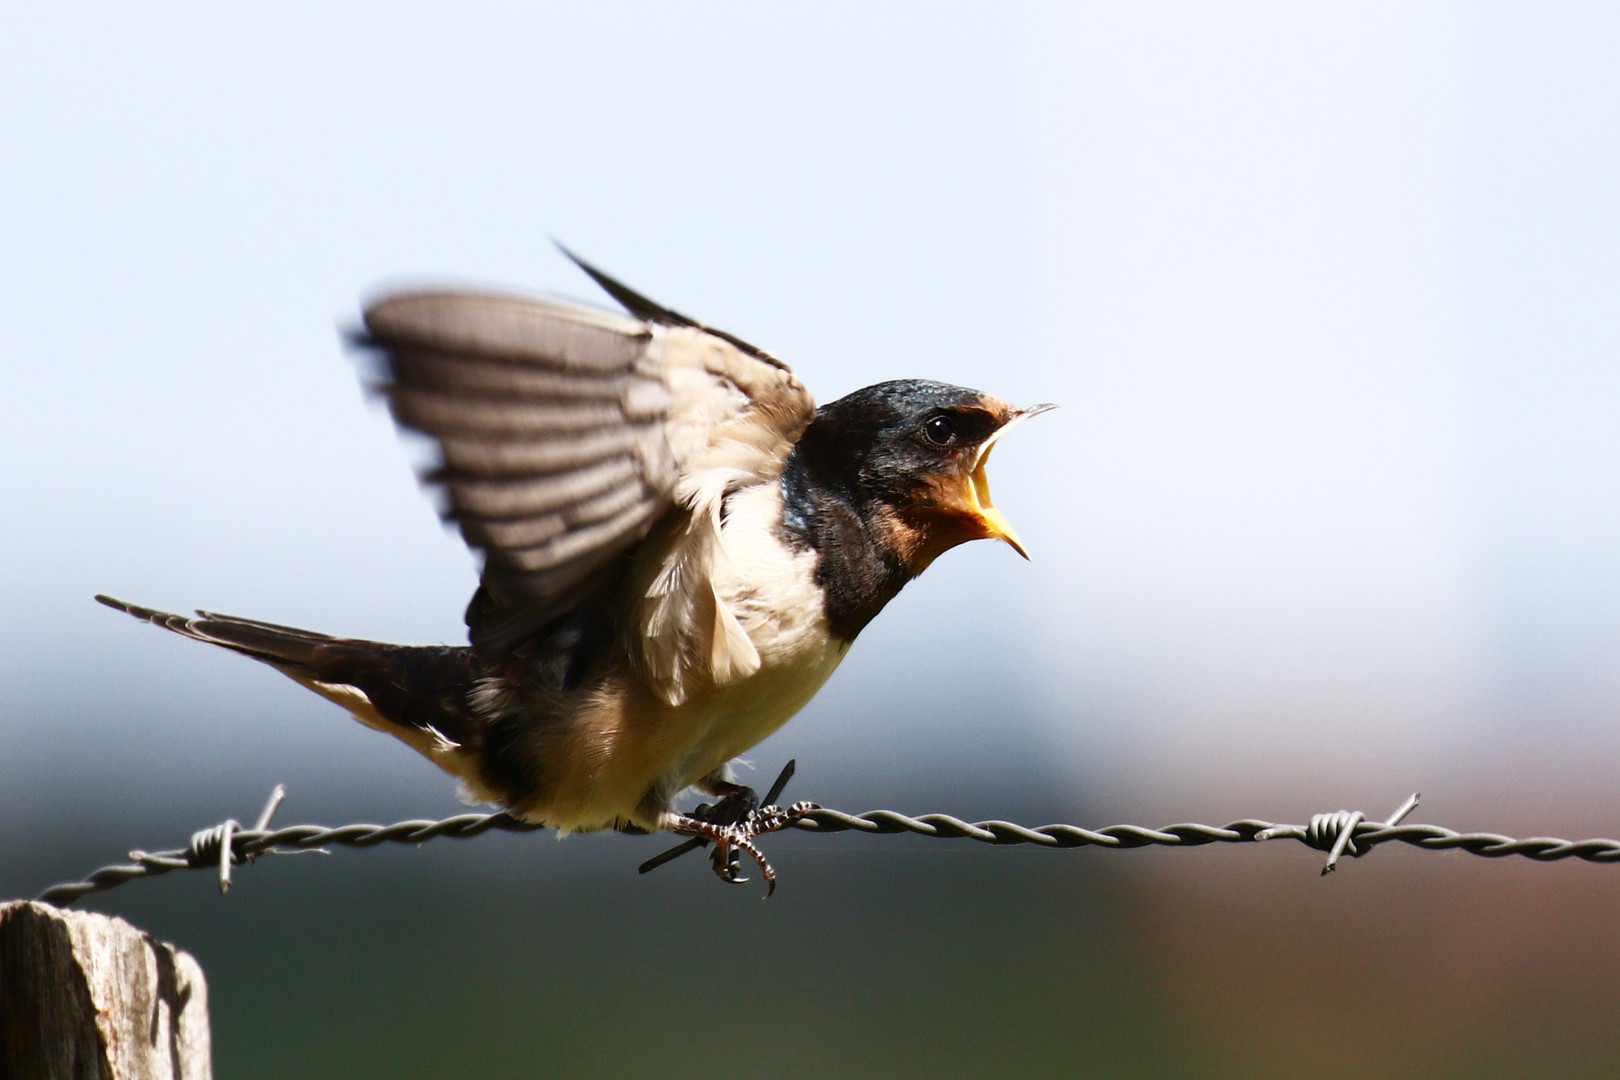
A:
278,645
419,694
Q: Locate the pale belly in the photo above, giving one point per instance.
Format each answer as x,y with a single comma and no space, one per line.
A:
630,758
741,716
631,766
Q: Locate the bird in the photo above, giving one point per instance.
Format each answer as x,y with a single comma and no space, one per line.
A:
678,548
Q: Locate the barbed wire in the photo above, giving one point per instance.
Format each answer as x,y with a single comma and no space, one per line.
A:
1337,833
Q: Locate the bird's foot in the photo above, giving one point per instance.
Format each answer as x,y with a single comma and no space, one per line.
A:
732,838
731,825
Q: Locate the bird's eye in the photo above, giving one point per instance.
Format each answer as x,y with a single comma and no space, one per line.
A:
940,431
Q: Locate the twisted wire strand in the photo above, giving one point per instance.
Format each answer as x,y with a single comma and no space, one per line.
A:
205,849
228,843
1367,835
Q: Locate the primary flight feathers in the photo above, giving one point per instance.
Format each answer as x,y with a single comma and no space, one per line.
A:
566,433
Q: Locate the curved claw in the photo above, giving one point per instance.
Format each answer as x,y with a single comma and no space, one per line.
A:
724,859
730,839
726,863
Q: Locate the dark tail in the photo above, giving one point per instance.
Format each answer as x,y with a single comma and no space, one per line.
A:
280,646
416,693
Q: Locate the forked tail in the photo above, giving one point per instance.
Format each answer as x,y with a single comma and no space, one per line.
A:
419,694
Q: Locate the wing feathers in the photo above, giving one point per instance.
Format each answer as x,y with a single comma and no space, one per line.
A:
503,378
521,330
507,497
493,456
613,534
517,534
437,413
732,654
548,418
566,435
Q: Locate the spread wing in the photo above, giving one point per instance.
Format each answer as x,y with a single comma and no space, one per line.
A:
585,451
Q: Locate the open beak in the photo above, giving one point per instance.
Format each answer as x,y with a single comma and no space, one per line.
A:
993,521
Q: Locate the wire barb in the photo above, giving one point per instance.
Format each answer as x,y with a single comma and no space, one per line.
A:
1338,834
1335,833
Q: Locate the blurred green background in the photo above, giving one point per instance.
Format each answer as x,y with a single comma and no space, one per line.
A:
1329,515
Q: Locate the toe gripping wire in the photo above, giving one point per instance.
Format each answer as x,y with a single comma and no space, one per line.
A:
721,815
731,825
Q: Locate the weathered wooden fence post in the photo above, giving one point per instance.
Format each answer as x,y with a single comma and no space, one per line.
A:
89,996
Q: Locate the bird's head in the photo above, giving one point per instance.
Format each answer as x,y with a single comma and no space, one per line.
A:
909,457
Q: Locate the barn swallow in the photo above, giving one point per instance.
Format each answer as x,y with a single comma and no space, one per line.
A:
678,549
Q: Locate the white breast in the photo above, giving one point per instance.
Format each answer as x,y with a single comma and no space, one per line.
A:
771,589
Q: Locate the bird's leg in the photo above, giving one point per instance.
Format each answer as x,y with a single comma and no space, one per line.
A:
731,838
737,801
